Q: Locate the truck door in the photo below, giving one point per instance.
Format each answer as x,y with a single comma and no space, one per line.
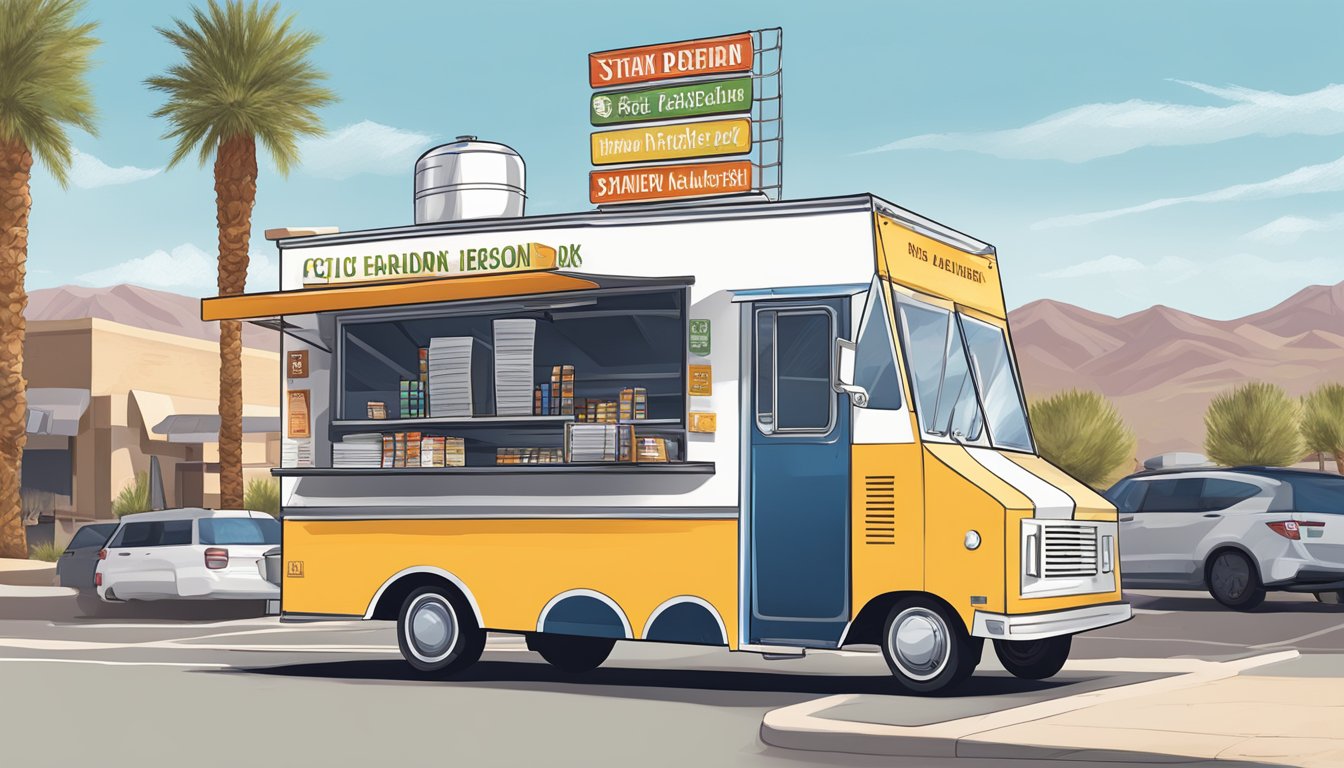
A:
798,496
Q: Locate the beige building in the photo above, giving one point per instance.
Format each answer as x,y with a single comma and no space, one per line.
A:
104,398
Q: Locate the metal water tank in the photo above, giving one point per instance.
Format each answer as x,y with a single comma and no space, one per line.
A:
469,179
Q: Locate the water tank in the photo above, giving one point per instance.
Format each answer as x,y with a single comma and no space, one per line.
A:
469,179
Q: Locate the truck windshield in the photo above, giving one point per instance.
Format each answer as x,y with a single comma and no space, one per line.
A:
962,376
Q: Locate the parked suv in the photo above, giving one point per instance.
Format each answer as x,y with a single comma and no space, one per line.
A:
188,553
1236,532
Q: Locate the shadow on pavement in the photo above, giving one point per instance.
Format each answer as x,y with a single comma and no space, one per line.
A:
66,610
1209,605
722,687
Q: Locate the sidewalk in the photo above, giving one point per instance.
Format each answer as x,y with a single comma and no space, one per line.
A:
26,573
1278,708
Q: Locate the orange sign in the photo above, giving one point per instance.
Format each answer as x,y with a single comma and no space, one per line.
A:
664,182
708,56
701,380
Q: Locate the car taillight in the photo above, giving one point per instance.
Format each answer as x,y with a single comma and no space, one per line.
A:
1292,529
102,554
97,579
216,558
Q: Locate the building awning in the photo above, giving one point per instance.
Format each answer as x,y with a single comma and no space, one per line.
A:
56,410
370,296
156,408
204,427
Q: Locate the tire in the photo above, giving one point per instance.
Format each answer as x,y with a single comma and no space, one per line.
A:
1034,659
1335,597
927,646
1233,581
437,632
571,653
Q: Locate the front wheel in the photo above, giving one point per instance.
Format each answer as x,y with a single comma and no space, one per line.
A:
1034,659
927,647
437,632
571,653
1234,582
1334,597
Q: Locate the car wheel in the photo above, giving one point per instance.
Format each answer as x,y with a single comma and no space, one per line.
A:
1233,581
437,632
571,653
1334,597
1034,659
927,647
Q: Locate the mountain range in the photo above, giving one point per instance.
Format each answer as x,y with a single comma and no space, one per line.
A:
1160,366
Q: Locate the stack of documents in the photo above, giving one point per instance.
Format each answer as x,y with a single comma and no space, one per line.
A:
362,451
296,453
514,341
450,376
592,442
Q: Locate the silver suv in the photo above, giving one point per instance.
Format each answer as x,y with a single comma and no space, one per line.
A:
1236,532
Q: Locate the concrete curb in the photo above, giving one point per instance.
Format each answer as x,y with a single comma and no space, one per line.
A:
800,727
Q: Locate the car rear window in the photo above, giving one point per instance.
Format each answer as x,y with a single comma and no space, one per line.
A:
240,530
1324,494
91,536
159,533
1220,493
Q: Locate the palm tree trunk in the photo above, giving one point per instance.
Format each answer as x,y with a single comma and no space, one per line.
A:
15,202
235,194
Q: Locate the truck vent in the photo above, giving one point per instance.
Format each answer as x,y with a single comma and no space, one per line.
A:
879,509
1069,550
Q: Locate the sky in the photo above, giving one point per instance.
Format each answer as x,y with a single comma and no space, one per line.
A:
1118,155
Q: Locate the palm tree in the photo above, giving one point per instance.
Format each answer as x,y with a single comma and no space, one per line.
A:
1323,423
44,57
1081,433
246,76
1256,424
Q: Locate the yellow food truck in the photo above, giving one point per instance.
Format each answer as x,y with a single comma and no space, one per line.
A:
765,426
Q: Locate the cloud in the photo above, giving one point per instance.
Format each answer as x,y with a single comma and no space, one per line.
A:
1289,228
365,147
184,269
1325,177
1098,130
1107,264
88,172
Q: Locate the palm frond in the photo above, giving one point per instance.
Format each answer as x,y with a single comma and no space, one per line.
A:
245,71
45,56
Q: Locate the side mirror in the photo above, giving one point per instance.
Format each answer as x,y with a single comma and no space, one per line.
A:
844,373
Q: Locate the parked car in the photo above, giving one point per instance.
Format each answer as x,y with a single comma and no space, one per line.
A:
77,563
188,553
1236,532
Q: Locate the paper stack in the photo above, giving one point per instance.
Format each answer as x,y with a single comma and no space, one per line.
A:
514,340
296,453
362,451
449,374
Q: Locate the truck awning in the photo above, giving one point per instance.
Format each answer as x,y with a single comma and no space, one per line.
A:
366,296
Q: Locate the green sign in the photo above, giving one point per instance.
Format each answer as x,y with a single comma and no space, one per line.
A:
669,102
699,337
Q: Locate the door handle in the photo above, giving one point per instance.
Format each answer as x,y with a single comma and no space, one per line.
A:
1212,514
123,554
1127,519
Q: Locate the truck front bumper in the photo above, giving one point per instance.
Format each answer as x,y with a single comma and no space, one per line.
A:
1037,626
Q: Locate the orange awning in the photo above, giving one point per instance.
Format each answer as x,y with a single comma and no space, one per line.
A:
304,301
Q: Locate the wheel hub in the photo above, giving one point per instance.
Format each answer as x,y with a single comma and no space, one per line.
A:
431,630
919,643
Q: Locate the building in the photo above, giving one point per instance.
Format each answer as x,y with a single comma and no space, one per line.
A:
106,398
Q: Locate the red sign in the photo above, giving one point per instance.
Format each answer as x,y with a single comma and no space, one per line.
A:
708,56
664,182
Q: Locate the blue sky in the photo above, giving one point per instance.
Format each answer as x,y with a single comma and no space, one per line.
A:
1119,155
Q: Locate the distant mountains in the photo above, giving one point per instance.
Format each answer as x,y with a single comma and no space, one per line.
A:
140,307
1162,366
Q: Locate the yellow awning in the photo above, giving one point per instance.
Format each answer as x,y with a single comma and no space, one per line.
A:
304,301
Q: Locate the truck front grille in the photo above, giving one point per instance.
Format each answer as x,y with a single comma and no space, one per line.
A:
1068,550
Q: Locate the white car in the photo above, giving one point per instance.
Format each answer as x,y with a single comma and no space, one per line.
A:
188,554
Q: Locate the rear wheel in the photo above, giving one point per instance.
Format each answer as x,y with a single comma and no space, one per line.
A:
571,653
1034,659
1234,582
1335,597
437,632
927,647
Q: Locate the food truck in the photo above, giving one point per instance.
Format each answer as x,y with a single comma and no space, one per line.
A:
765,426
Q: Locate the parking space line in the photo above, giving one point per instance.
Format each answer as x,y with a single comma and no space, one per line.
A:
1166,640
1295,640
203,664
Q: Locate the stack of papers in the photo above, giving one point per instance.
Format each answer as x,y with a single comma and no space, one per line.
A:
296,453
514,340
450,376
362,451
592,442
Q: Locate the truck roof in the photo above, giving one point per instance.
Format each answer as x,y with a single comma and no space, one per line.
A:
634,215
